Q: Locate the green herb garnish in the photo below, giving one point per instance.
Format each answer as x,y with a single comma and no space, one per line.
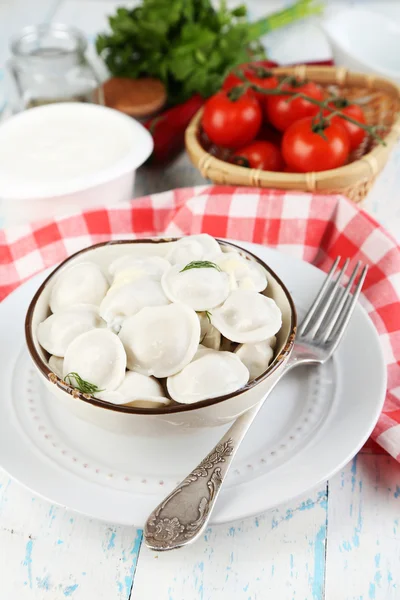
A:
83,386
188,44
200,264
208,315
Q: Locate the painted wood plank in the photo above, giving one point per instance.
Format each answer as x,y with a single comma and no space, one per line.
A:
280,554
50,553
363,550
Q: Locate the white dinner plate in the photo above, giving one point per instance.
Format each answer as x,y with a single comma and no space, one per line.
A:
314,422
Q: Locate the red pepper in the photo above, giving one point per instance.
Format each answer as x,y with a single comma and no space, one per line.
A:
168,129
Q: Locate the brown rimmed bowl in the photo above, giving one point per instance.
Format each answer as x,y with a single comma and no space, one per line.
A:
175,417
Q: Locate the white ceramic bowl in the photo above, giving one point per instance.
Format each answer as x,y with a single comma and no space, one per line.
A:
68,157
364,41
176,417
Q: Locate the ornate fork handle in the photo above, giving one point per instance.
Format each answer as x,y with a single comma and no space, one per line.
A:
183,515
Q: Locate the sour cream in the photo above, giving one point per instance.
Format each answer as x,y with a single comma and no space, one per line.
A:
68,156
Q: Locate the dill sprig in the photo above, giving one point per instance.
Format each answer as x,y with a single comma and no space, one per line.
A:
83,386
200,264
208,315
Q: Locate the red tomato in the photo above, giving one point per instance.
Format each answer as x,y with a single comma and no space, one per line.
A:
259,155
356,134
307,146
282,111
231,122
255,73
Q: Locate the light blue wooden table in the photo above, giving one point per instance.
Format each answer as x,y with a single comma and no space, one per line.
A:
340,541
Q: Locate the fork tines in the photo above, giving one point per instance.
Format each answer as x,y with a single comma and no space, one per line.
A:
328,316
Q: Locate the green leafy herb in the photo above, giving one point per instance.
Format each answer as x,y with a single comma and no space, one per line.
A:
188,44
208,315
200,264
83,386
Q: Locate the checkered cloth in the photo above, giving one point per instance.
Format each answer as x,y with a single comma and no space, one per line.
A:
312,227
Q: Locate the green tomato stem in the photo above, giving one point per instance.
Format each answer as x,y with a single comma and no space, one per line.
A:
371,130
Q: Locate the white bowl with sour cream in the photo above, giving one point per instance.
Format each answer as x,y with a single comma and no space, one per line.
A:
68,157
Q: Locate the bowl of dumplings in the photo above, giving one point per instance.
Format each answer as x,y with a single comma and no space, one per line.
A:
160,335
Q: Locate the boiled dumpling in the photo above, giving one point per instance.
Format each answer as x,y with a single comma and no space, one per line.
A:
126,300
193,247
209,335
257,356
200,288
161,340
56,365
247,317
57,331
136,390
243,274
83,283
128,268
98,357
210,375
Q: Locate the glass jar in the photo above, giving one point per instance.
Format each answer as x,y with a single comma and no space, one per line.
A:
49,65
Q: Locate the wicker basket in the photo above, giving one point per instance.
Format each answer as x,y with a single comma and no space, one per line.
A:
380,100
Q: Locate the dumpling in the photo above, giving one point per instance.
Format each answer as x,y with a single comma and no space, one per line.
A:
160,340
257,356
128,268
247,317
83,283
210,375
57,331
209,335
56,365
193,247
200,288
126,300
243,274
98,357
136,390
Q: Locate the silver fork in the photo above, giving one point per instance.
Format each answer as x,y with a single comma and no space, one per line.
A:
171,525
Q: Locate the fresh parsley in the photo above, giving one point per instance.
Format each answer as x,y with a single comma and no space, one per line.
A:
200,264
188,44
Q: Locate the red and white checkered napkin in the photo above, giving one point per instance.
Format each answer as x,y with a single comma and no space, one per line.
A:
312,227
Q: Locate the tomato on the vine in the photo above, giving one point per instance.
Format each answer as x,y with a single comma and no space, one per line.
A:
315,145
356,134
255,73
282,110
232,119
259,155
